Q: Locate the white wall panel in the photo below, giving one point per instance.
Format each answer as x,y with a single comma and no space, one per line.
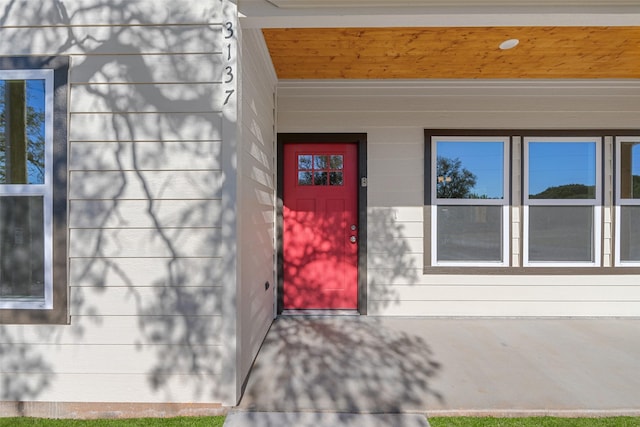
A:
144,213
381,150
533,103
257,199
144,242
111,359
110,40
134,272
506,308
169,300
401,195
400,214
145,155
110,12
142,185
508,292
360,121
398,230
143,388
126,331
416,278
145,97
175,68
145,126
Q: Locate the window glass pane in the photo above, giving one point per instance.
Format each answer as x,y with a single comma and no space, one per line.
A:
321,162
562,170
335,178
21,247
469,233
336,162
320,178
630,170
560,233
469,170
22,131
305,178
630,233
305,162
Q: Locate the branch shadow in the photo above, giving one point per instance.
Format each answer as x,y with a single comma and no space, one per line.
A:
146,212
344,364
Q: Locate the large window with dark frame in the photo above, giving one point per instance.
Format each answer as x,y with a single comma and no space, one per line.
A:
32,189
469,191
532,199
562,200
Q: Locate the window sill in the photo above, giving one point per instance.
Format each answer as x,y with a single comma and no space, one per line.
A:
533,271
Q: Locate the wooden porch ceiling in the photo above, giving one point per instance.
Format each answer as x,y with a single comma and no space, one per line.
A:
455,52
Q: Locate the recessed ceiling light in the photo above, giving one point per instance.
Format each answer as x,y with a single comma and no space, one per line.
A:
509,44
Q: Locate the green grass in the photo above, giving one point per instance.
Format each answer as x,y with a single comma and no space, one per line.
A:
133,422
534,422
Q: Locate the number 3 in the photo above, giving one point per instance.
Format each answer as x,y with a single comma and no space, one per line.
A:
230,74
229,26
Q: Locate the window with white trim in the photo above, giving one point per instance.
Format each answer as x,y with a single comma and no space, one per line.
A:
562,201
627,220
26,123
470,199
33,189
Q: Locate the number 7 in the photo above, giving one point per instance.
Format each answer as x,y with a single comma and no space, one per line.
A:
229,93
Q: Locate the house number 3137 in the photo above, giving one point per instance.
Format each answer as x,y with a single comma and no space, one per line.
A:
228,70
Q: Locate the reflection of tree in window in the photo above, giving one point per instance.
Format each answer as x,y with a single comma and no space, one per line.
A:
22,132
454,181
320,169
629,168
636,187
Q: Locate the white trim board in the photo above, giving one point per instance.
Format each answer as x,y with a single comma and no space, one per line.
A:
439,13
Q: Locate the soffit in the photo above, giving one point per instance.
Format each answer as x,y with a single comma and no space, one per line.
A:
544,52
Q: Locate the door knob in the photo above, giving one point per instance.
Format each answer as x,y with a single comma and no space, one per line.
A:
352,239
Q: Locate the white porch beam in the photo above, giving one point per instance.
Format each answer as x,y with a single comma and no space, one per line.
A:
264,14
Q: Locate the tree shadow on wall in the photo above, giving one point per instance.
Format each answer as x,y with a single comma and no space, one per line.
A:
25,372
391,260
147,216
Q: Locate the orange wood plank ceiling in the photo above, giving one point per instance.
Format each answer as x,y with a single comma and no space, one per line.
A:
454,52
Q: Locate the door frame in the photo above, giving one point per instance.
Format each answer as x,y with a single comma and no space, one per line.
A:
360,139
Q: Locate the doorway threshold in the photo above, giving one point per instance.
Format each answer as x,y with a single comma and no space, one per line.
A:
318,313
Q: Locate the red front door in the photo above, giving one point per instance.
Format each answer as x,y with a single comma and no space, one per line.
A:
320,226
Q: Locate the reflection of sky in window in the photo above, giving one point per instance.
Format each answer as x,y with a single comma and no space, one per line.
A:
35,97
484,159
552,164
635,159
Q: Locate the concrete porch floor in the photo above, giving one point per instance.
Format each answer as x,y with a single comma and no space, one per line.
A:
433,366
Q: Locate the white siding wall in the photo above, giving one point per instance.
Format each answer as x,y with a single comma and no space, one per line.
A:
394,115
146,183
256,199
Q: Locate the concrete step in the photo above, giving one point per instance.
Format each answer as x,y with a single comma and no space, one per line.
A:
322,419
